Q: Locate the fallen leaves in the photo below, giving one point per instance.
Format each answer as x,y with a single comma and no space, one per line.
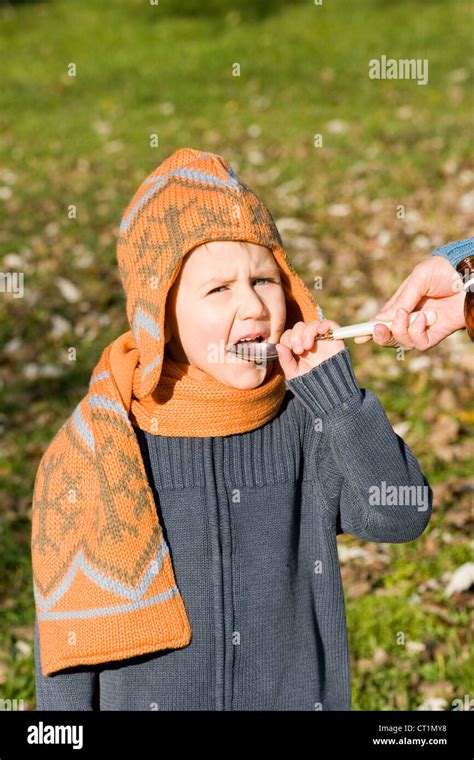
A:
462,579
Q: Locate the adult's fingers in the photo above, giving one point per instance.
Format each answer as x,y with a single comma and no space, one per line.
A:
384,337
418,333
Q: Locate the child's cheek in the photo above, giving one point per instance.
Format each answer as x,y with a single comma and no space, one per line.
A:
210,336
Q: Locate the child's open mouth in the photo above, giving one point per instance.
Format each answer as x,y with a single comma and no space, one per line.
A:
253,350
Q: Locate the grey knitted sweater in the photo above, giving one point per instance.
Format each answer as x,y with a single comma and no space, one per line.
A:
251,521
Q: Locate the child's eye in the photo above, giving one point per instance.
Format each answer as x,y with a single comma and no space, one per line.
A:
256,279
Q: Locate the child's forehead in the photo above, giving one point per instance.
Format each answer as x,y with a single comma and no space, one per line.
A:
219,255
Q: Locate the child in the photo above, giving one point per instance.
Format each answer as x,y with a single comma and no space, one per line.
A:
185,516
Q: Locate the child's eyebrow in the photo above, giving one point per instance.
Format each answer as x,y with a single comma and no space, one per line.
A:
217,278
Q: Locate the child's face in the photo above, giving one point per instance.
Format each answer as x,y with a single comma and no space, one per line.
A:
246,296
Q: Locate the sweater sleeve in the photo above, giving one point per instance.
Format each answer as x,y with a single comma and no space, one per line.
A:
370,480
456,251
65,691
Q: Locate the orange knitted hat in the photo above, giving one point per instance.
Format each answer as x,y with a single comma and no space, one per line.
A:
104,582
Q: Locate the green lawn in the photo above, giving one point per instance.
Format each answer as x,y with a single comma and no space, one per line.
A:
85,140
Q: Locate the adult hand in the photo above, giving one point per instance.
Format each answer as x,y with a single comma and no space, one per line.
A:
433,284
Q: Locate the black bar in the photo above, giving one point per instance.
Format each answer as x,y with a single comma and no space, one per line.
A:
142,735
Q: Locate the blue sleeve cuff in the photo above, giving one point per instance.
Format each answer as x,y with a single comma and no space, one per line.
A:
456,251
329,385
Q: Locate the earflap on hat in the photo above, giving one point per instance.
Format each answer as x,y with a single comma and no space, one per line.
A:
149,332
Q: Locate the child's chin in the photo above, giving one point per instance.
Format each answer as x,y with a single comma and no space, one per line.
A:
243,377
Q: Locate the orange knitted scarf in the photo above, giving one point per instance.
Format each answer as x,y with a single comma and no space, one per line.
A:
104,583
189,402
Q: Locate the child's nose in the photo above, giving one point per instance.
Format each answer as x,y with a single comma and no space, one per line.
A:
249,298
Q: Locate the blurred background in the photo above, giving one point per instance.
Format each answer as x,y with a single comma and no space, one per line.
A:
153,78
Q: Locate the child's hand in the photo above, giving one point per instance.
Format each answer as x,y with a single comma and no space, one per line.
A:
300,340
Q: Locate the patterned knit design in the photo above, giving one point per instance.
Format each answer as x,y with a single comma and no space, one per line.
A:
104,582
